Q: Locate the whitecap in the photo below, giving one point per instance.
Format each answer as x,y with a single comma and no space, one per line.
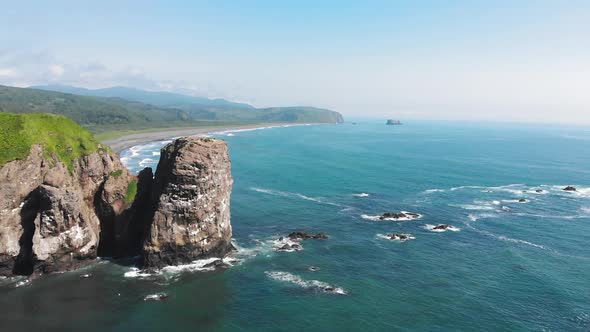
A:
147,162
508,239
156,297
200,265
307,284
23,283
136,273
514,201
361,195
473,207
285,244
475,217
430,191
292,195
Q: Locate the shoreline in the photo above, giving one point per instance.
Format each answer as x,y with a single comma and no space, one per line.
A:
125,142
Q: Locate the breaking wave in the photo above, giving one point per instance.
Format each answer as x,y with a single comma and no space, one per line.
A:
315,285
293,195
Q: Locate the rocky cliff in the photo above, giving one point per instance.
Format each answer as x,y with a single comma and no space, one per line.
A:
56,216
191,194
48,218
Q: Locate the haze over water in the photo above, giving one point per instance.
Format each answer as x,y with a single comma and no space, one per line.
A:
508,265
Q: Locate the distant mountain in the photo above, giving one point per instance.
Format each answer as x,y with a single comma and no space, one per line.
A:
156,98
102,114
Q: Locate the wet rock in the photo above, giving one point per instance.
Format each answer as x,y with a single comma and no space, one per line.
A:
392,215
297,236
399,215
522,200
441,227
313,268
569,188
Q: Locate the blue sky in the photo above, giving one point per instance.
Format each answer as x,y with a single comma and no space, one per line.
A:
474,60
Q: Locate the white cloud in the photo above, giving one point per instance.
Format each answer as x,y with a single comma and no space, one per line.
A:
56,70
8,72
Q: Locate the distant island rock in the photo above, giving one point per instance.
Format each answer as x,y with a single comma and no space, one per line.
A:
65,199
393,122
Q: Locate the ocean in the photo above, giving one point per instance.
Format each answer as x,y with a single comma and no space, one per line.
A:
515,256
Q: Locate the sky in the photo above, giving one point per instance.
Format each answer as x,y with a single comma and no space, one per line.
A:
455,60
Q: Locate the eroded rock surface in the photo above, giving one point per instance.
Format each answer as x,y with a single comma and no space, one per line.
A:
48,217
191,197
53,219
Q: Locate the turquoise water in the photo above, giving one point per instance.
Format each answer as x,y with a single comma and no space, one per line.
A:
506,266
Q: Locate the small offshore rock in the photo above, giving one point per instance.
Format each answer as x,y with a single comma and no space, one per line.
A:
569,188
442,226
297,236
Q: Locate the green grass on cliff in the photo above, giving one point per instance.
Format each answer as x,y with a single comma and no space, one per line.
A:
131,192
56,133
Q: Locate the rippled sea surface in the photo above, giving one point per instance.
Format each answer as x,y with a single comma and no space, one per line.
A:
516,256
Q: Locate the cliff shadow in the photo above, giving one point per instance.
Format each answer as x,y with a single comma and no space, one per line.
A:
122,236
25,261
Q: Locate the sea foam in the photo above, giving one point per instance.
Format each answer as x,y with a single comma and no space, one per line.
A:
315,285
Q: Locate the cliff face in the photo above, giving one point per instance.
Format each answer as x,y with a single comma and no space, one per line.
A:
48,220
54,219
191,196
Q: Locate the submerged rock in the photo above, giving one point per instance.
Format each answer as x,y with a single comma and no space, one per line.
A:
443,227
399,237
522,200
303,236
392,215
404,215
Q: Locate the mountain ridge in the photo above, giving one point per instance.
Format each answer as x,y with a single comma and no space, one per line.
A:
115,113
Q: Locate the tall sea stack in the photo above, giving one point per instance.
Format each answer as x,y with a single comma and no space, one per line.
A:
191,193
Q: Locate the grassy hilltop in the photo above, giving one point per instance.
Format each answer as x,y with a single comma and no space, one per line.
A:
56,133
